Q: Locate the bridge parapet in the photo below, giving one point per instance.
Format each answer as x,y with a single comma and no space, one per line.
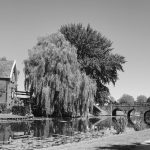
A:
140,107
134,105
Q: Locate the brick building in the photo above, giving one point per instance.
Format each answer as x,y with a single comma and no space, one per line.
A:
8,83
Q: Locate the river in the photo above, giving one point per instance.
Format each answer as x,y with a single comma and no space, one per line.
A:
58,131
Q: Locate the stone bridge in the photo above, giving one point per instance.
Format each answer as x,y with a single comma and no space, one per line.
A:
143,108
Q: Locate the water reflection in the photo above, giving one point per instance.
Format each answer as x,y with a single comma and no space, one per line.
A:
45,128
147,117
5,133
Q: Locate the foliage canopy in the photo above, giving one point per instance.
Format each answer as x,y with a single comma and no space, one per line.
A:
52,73
126,99
94,54
141,99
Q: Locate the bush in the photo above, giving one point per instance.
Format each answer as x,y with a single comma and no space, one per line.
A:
3,108
19,110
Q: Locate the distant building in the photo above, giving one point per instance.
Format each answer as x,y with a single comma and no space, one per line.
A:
8,83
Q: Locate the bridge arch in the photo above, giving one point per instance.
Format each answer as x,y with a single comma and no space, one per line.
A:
128,117
115,111
146,117
129,113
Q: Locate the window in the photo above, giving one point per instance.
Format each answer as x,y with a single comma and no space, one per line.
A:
12,93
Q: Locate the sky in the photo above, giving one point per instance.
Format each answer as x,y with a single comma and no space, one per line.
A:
125,22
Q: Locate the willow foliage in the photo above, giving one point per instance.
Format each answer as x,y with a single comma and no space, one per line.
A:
52,73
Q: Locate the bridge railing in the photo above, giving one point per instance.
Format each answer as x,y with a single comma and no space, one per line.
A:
133,105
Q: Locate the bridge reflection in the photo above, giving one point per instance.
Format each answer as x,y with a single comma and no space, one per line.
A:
137,123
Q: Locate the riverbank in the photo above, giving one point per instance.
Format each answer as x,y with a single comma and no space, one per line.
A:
51,134
139,140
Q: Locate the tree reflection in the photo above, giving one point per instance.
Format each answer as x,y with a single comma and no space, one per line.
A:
5,133
138,123
45,128
120,124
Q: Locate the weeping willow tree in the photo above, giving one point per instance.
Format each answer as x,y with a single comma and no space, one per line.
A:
52,73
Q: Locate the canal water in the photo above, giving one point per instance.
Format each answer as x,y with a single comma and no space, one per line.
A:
74,130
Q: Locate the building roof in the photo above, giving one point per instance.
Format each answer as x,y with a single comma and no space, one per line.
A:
6,68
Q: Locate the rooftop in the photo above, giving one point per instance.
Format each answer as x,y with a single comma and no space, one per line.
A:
6,67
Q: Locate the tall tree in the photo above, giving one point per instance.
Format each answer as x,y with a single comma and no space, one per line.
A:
141,99
52,73
94,54
3,58
126,99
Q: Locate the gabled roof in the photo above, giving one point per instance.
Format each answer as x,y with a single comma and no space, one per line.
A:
6,68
